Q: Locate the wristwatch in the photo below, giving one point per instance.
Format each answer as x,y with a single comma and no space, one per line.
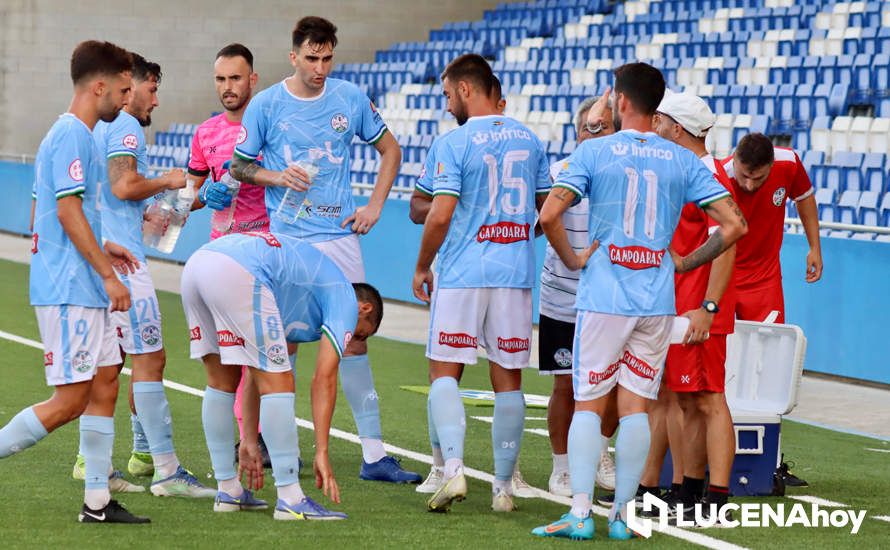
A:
710,306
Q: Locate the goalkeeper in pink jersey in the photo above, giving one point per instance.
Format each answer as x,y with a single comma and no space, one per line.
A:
212,147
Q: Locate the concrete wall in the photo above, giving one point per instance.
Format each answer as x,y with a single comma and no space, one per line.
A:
37,37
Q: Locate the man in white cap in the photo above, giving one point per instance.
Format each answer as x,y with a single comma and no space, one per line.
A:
695,369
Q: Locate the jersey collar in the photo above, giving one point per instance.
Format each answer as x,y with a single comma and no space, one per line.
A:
306,99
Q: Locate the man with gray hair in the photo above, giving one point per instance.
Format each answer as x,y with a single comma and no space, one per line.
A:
556,327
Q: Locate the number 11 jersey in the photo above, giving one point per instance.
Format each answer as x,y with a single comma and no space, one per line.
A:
637,184
495,166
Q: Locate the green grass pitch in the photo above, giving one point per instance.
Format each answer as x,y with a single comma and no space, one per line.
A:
41,500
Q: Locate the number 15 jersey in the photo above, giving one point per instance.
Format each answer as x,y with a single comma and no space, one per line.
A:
495,166
637,184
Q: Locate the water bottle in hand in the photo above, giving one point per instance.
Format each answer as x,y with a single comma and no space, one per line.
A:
292,205
180,212
222,221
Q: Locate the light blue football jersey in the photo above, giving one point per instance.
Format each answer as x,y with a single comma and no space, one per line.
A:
637,184
67,164
425,182
287,129
496,167
313,295
121,219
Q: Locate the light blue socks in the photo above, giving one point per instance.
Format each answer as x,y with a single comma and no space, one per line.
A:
96,442
585,446
449,419
506,432
280,435
154,415
23,431
631,449
140,442
219,432
358,386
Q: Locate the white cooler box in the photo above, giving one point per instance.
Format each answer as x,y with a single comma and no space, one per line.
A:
764,362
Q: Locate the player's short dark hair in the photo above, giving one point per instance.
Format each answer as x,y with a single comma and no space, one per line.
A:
642,84
236,50
755,151
317,30
93,58
367,293
473,69
143,69
496,92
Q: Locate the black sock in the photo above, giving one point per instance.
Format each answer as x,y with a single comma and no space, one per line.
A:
644,489
675,488
691,490
717,495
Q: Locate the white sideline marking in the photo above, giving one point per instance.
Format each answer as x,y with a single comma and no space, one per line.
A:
688,536
882,518
535,431
877,450
820,501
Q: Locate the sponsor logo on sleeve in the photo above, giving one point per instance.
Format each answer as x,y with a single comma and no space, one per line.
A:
194,334
75,170
48,359
130,141
339,123
638,366
82,361
439,168
270,239
779,196
457,340
635,257
242,136
503,232
513,345
228,339
597,377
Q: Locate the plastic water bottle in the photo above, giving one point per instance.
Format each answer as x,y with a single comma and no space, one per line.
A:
292,205
180,212
223,221
158,214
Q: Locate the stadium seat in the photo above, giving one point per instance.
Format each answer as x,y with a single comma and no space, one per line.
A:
868,208
825,199
884,211
848,207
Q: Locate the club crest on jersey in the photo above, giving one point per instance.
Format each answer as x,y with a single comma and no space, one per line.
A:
779,196
151,335
512,345
619,149
563,358
194,334
635,257
82,361
457,340
242,136
503,233
597,377
339,123
75,170
130,141
228,339
638,366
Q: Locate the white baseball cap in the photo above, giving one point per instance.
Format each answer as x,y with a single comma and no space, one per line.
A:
690,111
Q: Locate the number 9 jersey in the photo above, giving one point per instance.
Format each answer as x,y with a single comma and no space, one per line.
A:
495,166
637,184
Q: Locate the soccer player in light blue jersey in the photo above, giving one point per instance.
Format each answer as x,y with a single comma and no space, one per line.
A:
248,298
73,282
491,173
123,199
310,119
636,183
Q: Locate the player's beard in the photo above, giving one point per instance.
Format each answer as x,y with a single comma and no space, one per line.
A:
145,121
238,105
460,112
616,120
108,111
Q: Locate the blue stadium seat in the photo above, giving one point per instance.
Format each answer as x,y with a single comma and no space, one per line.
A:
884,212
825,199
868,208
874,172
848,207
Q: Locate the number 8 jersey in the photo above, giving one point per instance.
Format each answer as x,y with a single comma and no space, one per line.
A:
637,184
496,167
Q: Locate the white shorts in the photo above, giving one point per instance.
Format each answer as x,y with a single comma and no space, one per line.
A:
498,319
615,349
347,254
76,340
231,313
139,329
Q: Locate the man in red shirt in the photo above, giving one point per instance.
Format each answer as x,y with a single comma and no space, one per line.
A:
763,178
695,369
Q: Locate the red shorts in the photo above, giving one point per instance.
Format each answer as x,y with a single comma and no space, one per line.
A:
756,302
700,367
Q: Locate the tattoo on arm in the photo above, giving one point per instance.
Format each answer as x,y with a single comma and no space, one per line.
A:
120,166
712,248
243,170
563,194
732,206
